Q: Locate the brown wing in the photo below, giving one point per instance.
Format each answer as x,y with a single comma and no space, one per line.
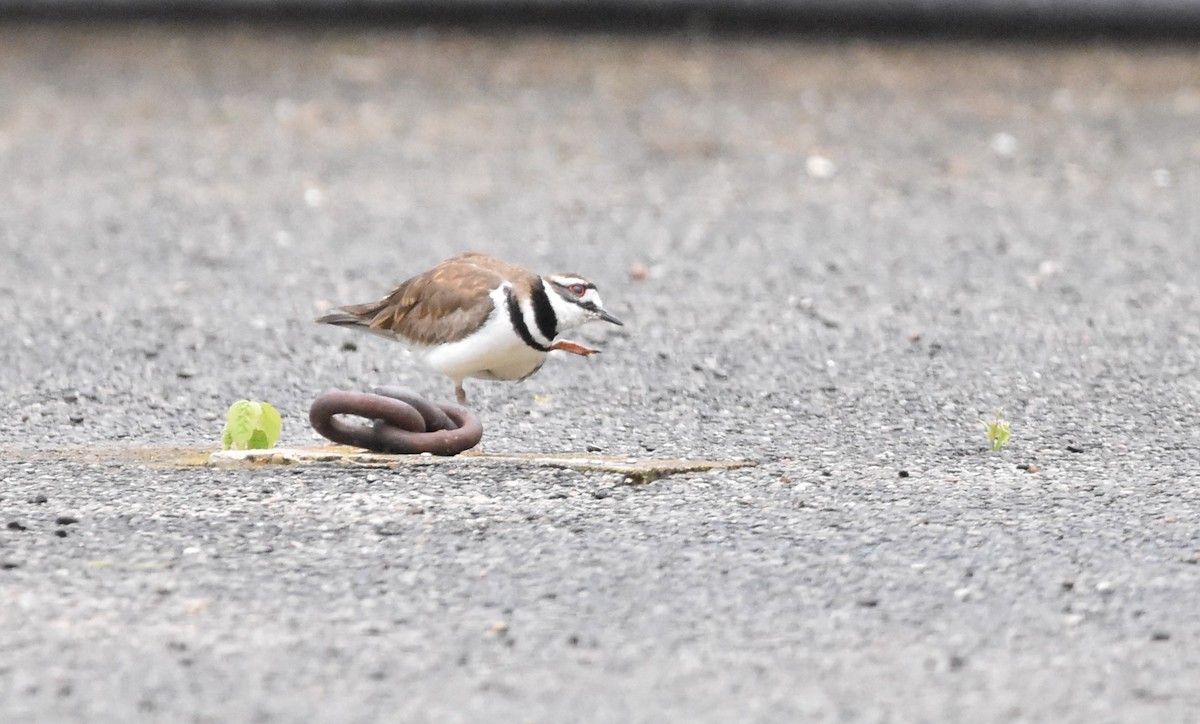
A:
513,273
445,304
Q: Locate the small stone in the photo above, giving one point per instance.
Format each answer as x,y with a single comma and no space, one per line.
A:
903,473
15,525
1003,144
819,166
594,448
76,417
1068,585
66,520
868,602
637,271
71,396
1160,636
38,499
389,528
1104,587
1074,448
9,565
185,373
711,364
957,166
60,533
500,628
349,346
600,494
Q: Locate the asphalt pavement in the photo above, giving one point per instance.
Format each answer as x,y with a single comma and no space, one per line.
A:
853,251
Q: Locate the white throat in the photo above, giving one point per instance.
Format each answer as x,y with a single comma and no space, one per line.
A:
569,315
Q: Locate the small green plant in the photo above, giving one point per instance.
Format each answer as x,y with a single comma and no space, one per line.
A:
997,431
251,426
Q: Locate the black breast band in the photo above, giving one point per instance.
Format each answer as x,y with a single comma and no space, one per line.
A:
543,312
518,322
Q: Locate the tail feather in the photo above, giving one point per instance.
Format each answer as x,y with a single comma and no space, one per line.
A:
356,317
342,318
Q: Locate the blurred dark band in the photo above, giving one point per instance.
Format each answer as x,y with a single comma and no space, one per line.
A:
1148,19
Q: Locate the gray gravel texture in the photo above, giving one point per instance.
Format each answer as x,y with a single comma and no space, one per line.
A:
854,251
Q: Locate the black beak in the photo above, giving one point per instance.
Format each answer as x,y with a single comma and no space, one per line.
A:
608,317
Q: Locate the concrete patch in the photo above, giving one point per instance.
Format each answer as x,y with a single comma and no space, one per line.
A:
635,469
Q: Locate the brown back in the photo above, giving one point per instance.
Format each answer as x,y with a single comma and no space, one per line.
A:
445,304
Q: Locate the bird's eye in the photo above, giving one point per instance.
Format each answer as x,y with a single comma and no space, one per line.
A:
577,289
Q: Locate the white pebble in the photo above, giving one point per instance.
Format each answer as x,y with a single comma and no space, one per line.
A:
820,167
1003,144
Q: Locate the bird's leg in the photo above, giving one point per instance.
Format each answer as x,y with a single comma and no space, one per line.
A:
461,395
574,348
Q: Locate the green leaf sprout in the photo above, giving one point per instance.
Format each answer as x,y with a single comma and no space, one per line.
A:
997,431
251,426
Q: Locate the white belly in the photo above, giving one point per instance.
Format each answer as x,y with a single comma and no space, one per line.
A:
495,352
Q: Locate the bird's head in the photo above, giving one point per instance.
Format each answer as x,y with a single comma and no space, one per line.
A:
575,301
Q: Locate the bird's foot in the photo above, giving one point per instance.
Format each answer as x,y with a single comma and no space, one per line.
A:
574,348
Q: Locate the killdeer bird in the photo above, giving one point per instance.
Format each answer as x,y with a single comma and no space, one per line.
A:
476,316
